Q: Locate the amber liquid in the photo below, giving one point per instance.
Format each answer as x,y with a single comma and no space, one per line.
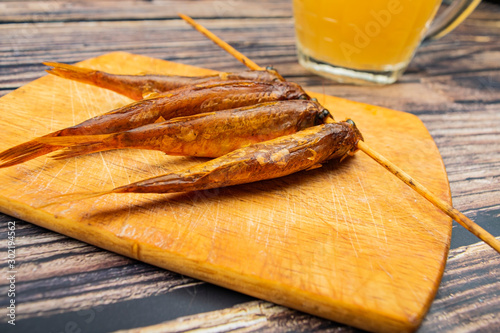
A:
364,35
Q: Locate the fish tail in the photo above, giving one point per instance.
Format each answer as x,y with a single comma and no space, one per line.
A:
74,140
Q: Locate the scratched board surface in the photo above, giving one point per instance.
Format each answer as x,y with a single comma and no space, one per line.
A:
347,241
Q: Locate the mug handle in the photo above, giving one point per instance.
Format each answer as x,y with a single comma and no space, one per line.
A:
450,18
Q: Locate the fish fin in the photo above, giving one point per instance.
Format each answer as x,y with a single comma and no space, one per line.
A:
24,152
315,166
211,84
344,157
160,120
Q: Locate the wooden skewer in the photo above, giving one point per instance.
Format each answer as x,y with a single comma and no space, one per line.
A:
463,220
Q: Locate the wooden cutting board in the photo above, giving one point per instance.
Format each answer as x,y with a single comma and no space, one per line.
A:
347,241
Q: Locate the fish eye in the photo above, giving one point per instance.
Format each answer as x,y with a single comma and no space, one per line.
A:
323,114
320,117
349,121
314,99
270,68
304,96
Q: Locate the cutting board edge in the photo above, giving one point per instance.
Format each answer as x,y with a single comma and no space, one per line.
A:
319,305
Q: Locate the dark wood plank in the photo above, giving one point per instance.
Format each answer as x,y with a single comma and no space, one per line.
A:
30,45
470,289
114,10
58,275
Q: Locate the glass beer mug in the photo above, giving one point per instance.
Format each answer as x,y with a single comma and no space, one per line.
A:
369,41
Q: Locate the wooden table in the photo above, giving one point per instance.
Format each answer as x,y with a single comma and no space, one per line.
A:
453,85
